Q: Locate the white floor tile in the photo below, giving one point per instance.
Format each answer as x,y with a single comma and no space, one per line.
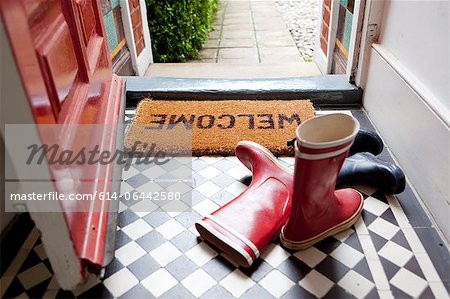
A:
383,228
129,253
205,207
170,229
201,254
34,275
209,172
130,172
238,172
198,282
154,172
179,187
207,189
149,188
316,283
237,283
159,282
137,229
211,159
310,256
409,282
343,235
395,253
120,282
183,172
276,283
143,208
439,290
165,253
375,206
356,284
236,188
274,255
125,188
347,255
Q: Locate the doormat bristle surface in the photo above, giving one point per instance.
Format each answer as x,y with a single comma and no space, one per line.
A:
217,126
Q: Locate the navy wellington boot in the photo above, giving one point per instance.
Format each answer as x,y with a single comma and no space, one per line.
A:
366,169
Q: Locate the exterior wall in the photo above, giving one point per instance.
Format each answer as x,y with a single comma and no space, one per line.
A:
325,26
406,93
118,50
136,22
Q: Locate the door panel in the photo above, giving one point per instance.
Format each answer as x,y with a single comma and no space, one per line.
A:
58,62
62,58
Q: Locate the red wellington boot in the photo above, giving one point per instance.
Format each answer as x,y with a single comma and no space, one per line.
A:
318,211
244,226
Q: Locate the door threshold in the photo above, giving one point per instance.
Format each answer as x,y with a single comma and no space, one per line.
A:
329,90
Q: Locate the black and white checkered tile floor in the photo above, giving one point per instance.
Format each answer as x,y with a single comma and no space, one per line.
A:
392,251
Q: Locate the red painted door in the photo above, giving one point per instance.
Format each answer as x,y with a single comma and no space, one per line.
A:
61,54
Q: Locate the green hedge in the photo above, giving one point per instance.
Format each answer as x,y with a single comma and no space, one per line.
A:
179,28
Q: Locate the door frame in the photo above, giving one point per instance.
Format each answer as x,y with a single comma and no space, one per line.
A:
324,62
356,39
142,61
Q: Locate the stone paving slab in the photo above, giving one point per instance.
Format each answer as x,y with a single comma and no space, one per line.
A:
250,40
232,69
245,30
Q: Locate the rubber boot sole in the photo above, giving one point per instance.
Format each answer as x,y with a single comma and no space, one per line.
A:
299,245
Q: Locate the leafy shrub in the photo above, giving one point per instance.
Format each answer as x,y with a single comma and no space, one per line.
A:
179,28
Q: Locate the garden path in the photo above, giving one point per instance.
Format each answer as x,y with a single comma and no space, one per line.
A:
250,39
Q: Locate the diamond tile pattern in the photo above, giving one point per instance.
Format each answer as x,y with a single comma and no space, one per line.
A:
159,254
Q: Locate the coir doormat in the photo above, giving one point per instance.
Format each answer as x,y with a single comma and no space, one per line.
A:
217,126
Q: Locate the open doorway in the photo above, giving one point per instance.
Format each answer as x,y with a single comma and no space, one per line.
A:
275,39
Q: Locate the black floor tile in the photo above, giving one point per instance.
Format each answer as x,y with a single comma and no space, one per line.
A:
151,240
15,236
218,267
437,251
185,241
332,269
363,268
257,292
181,267
413,210
112,268
413,266
99,291
177,292
217,291
137,292
143,267
294,268
157,218
297,292
400,239
258,270
338,292
389,268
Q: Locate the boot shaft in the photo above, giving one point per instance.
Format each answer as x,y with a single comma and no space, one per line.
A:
322,143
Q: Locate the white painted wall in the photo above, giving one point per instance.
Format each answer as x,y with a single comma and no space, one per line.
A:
416,33
406,93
